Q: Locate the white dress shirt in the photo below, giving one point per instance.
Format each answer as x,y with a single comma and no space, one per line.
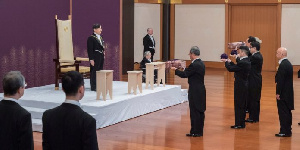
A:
98,36
282,60
74,102
152,39
243,57
195,59
11,99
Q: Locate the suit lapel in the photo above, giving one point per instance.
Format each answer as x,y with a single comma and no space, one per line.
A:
93,35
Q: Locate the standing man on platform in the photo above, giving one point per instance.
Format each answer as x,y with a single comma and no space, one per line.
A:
149,43
95,48
197,92
68,127
241,71
255,82
15,121
284,93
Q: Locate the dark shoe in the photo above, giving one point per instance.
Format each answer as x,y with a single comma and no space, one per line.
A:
251,121
194,135
283,135
237,127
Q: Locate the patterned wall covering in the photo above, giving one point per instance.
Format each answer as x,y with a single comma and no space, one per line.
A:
27,33
27,41
105,12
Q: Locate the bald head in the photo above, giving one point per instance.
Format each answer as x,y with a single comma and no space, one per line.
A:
281,53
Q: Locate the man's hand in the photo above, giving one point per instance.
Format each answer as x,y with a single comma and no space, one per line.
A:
234,56
92,62
277,96
173,68
223,60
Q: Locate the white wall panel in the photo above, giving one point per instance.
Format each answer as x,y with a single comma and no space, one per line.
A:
201,25
146,16
290,31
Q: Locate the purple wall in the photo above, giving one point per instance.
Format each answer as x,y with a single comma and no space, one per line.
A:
27,32
105,12
27,40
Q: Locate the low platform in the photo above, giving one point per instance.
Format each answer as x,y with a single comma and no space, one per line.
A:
124,106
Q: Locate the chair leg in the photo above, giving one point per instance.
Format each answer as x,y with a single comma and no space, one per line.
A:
56,80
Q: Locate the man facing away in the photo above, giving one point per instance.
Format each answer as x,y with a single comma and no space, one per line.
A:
68,127
197,91
241,71
284,93
95,48
149,43
15,121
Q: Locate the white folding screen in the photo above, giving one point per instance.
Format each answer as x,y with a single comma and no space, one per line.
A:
201,25
290,31
146,16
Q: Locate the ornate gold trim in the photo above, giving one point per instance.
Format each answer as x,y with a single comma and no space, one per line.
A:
150,1
226,1
175,1
279,1
56,88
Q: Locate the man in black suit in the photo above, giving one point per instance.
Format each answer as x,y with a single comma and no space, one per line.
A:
95,48
15,121
284,93
68,127
197,92
147,59
255,82
149,42
241,71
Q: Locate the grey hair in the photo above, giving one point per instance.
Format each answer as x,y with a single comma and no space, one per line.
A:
284,48
147,53
195,50
12,81
284,53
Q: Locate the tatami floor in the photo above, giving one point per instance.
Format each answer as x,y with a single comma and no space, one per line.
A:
166,129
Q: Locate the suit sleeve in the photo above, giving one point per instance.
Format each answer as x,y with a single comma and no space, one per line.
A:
280,76
45,133
186,73
90,135
145,43
255,60
90,48
142,64
231,67
26,137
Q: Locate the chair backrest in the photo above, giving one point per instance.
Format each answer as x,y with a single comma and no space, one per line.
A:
65,41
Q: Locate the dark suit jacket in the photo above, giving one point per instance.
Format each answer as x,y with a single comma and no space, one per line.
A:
197,92
284,80
68,127
255,78
15,127
94,44
241,69
147,42
143,64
